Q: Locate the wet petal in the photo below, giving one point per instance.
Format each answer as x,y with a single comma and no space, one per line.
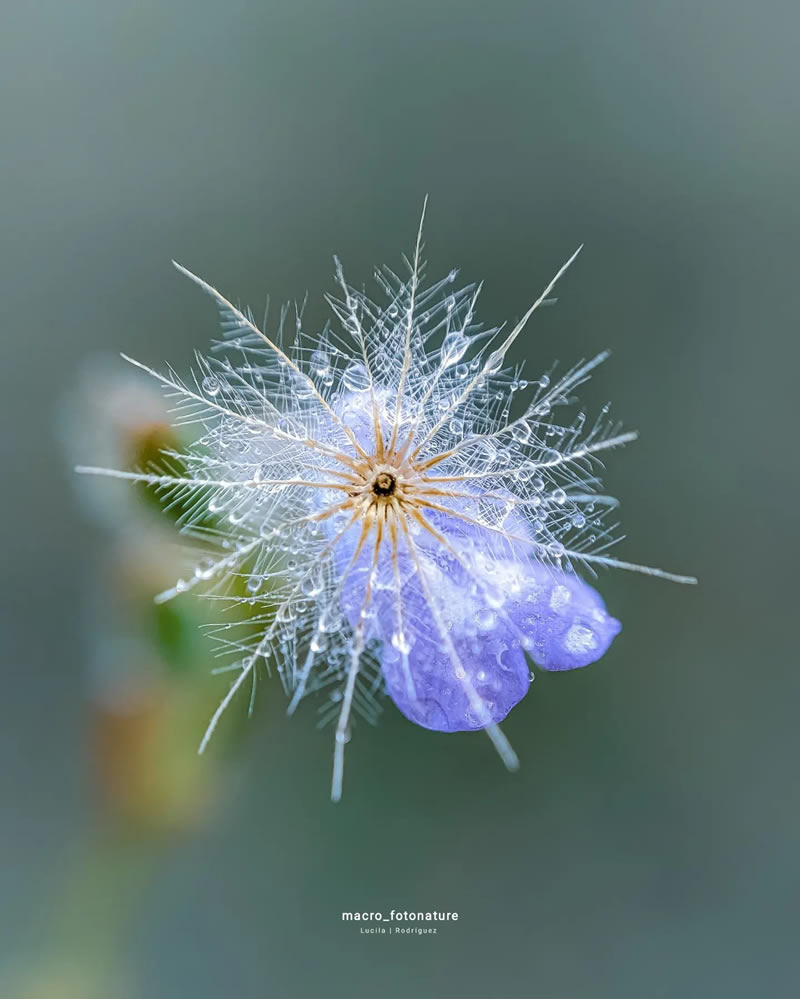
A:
489,677
561,619
564,620
465,682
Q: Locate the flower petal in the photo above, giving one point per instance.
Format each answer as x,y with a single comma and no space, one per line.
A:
488,678
474,677
564,619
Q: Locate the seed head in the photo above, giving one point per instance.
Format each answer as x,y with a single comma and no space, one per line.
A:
398,522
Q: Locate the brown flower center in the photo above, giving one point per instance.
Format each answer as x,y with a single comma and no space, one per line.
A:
384,484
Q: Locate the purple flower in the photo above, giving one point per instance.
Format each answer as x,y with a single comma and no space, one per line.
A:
405,511
497,603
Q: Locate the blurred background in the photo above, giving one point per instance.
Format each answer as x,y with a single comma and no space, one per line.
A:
648,846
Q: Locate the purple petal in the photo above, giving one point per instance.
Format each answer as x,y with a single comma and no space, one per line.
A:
496,677
476,674
564,620
466,681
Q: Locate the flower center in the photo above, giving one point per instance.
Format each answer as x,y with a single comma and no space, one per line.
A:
384,484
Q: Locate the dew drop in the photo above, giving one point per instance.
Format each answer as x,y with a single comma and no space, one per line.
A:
454,347
400,642
521,431
494,362
204,569
318,644
356,377
485,619
304,386
211,385
320,362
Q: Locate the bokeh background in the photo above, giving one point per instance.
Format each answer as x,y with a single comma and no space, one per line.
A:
648,847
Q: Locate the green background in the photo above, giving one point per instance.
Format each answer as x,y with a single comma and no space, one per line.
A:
648,846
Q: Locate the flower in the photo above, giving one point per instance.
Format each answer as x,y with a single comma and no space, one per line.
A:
394,526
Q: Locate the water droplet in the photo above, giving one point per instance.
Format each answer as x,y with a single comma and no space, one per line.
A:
304,387
356,377
204,568
580,639
211,385
454,347
559,496
521,431
485,619
578,520
318,644
494,362
401,642
524,472
320,362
